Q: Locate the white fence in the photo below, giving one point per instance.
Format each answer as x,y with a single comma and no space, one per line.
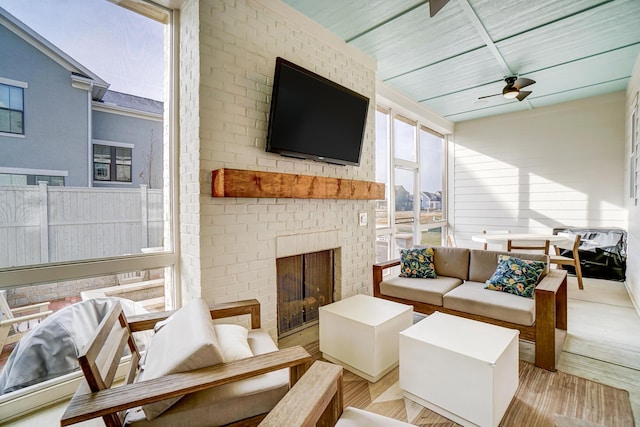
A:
41,224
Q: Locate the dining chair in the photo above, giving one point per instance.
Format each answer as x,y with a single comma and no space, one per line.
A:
542,245
451,239
571,243
486,245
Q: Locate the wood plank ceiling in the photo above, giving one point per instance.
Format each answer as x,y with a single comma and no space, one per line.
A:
573,49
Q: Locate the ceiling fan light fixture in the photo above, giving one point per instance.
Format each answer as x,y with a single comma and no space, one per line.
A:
510,93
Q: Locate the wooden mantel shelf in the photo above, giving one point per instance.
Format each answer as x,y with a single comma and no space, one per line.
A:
255,184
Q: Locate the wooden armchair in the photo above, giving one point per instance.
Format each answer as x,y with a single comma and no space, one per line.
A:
20,320
316,400
101,357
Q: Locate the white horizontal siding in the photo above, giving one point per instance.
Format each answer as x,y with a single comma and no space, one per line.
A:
532,171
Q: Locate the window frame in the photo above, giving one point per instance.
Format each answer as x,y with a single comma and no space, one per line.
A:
114,163
13,84
26,400
634,169
388,233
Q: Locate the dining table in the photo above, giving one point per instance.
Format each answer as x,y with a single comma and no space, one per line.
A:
518,237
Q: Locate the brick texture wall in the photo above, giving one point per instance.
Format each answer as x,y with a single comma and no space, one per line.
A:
233,243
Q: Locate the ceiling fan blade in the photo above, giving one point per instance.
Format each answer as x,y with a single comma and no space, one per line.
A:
489,96
523,94
436,5
523,82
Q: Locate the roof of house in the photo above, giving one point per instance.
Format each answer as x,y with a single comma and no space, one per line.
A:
133,102
100,92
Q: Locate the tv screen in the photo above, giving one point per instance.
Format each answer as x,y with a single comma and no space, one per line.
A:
314,118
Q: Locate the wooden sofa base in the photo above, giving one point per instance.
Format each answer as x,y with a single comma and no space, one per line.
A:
548,332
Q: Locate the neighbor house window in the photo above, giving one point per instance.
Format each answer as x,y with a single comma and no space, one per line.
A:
111,163
18,179
11,109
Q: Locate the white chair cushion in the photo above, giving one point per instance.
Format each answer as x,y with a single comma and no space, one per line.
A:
187,342
226,403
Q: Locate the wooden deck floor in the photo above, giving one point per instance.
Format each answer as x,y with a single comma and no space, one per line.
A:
602,341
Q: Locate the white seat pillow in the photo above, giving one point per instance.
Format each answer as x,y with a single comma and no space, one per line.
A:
233,341
187,342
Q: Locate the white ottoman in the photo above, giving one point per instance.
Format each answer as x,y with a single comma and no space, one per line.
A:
463,369
361,334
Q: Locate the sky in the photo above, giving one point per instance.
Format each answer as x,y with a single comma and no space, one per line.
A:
123,48
431,155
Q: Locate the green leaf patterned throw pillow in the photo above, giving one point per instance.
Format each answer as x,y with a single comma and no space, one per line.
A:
417,263
516,276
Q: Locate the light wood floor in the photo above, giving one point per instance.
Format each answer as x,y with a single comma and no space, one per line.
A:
603,345
603,338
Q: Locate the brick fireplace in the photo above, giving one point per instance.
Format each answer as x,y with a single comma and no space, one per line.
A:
229,245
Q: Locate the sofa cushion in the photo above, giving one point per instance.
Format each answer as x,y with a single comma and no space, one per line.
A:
515,276
429,291
188,341
482,264
473,298
452,262
417,263
226,403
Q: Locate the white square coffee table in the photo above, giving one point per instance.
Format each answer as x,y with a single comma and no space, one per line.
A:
463,369
361,334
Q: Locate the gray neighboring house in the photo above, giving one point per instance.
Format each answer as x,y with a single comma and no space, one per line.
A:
59,122
431,201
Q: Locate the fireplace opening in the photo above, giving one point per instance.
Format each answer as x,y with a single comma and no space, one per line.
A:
305,282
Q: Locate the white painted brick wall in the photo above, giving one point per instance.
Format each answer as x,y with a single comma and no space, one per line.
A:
233,241
189,148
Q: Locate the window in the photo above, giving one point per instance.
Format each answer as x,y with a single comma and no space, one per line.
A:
414,211
11,109
81,237
111,163
431,176
18,179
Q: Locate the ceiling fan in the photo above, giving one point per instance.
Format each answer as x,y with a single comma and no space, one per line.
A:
512,88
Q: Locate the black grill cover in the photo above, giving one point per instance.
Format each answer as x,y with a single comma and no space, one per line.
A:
603,252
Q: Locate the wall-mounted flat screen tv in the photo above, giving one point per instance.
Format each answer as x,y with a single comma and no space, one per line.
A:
314,118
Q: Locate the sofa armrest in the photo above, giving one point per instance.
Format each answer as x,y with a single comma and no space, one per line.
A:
316,397
85,406
553,287
378,272
551,318
143,322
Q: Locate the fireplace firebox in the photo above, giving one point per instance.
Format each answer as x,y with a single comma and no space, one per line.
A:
305,282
